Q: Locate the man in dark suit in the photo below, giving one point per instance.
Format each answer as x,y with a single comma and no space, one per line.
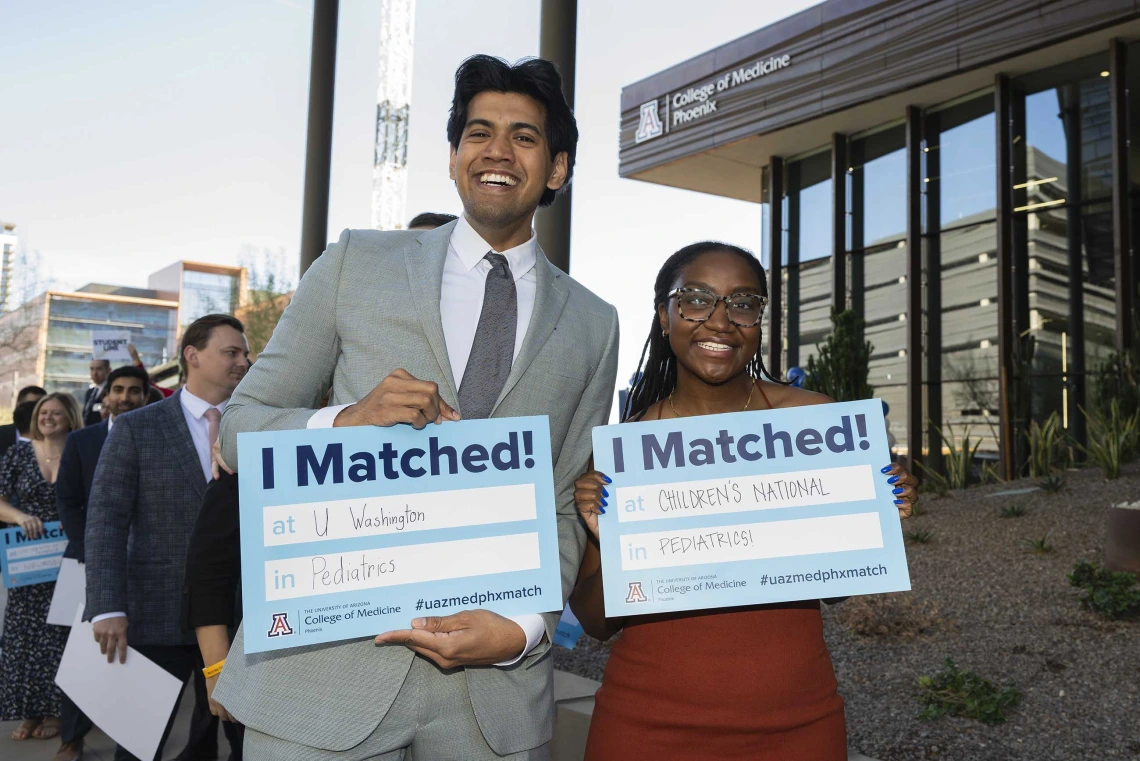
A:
148,487
93,400
13,432
126,391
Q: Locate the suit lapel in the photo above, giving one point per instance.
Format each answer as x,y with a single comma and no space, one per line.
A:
550,297
182,443
424,260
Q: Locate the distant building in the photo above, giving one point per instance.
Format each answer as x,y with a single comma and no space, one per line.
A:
47,341
8,241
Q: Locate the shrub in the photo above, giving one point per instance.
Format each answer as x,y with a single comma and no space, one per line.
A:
1111,594
888,615
1052,483
1112,438
933,482
1012,511
961,459
844,364
920,536
953,692
1040,545
1048,446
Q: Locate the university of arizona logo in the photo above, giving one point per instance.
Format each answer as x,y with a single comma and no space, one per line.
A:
635,593
650,124
280,626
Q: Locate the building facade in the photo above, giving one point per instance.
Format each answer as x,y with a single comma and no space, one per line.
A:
48,340
961,173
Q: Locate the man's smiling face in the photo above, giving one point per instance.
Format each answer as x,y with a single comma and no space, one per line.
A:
503,164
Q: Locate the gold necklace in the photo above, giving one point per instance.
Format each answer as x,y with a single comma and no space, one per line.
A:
751,391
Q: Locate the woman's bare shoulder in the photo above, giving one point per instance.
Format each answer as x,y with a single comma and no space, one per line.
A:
790,396
652,412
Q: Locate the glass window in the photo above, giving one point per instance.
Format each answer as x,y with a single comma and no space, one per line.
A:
1063,187
877,252
807,257
959,165
206,293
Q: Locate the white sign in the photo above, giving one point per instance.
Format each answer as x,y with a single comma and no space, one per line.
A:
649,126
70,593
111,345
699,101
131,701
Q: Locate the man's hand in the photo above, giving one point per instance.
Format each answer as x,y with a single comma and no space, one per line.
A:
400,398
216,708
111,634
217,464
467,638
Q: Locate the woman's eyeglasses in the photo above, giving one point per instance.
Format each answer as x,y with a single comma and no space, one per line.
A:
745,310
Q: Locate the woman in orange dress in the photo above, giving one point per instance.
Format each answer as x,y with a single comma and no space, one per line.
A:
741,683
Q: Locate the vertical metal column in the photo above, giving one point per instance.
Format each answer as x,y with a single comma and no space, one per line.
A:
1021,401
1003,94
838,222
1121,210
792,274
1071,118
932,269
558,42
318,143
775,262
858,278
914,416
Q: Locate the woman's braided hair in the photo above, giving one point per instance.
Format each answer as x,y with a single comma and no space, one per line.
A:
656,376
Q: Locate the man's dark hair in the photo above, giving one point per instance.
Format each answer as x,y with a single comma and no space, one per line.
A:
26,391
106,362
199,332
129,371
533,77
22,417
431,219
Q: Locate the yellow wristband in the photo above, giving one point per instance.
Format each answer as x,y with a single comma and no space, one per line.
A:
212,671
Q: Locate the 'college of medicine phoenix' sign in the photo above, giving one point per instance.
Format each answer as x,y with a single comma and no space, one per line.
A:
698,101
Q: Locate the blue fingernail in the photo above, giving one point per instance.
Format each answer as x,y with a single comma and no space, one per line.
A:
893,480
898,501
604,503
604,492
602,510
886,469
897,491
607,479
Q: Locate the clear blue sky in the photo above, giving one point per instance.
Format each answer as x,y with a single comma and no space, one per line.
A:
134,134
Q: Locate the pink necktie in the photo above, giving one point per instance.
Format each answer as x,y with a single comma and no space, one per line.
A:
214,417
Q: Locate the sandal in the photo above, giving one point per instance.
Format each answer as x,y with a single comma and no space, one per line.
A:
25,730
47,729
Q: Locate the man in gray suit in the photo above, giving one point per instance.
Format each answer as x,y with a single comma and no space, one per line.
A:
469,320
144,501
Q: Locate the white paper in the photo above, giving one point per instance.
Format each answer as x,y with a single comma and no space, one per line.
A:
111,345
70,593
131,701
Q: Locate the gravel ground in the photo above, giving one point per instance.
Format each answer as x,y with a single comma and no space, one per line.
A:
983,598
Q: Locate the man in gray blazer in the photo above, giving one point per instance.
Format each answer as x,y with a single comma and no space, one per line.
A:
145,496
469,320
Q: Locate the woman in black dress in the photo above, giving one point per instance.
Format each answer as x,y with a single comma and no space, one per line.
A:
33,647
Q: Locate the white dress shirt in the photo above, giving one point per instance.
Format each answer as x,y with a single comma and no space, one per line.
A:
460,304
193,409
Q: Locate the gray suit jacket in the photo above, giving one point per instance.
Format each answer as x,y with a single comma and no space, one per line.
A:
368,306
144,500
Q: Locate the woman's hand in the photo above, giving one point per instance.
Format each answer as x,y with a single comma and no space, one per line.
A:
590,497
216,708
903,485
32,526
217,464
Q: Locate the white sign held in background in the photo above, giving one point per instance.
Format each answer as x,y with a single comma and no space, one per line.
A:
111,345
129,701
70,593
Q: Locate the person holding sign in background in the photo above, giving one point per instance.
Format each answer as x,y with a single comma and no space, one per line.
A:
32,646
752,682
471,320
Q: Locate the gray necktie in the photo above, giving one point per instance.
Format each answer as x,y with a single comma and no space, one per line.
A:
493,350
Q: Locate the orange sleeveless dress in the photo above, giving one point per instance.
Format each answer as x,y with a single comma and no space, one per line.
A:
750,683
